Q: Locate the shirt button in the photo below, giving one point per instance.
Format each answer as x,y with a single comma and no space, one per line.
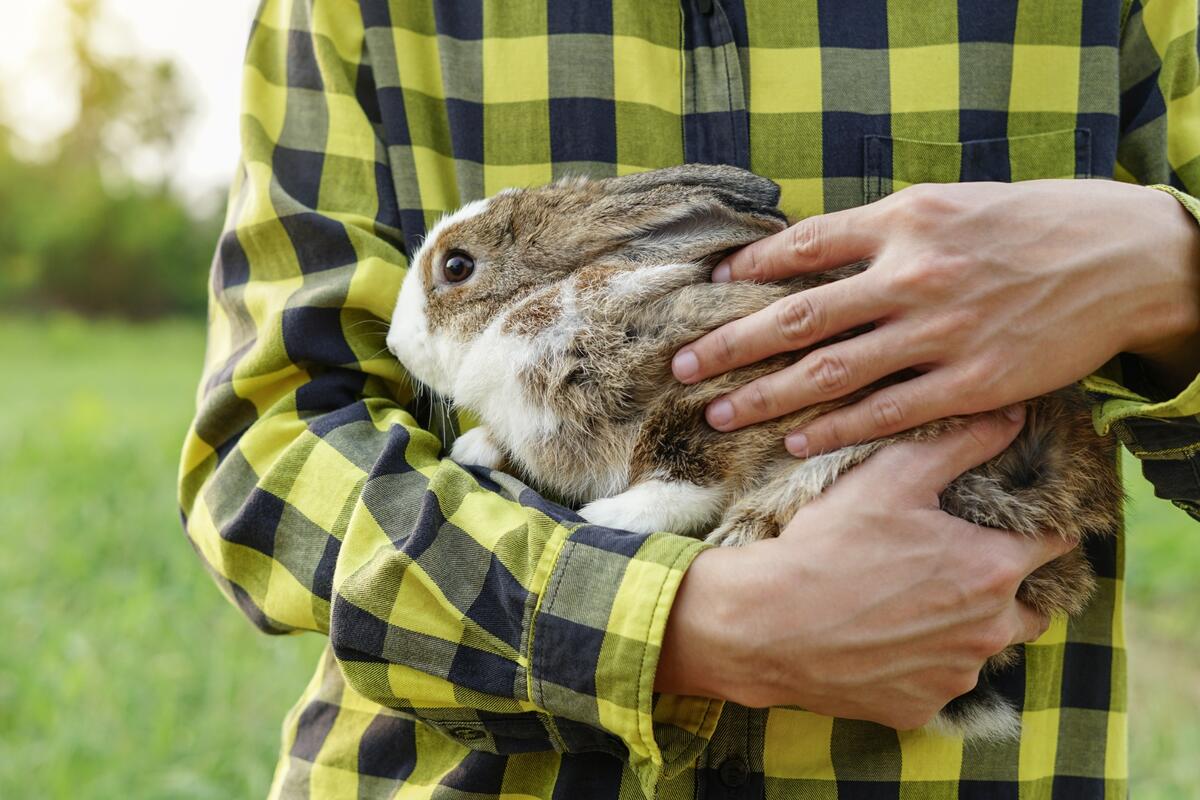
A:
734,772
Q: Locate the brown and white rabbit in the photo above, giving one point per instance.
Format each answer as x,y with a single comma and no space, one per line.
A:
552,314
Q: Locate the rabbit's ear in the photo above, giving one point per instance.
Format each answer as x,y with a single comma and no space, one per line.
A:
742,189
688,213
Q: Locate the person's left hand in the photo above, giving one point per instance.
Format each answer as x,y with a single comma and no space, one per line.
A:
993,293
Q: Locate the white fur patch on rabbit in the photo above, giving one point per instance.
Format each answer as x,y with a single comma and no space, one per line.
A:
658,505
477,447
489,381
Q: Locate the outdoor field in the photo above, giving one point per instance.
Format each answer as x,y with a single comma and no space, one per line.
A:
125,674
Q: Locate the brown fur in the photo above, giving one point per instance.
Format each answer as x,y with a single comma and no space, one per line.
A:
535,314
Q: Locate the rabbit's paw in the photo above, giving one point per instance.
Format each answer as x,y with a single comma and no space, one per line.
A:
476,447
657,505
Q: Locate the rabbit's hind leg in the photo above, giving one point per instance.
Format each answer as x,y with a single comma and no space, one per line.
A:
743,527
762,512
658,505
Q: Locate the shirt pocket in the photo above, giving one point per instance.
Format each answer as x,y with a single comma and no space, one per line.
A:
892,163
507,734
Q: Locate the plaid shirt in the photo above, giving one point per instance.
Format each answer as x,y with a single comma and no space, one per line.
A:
483,640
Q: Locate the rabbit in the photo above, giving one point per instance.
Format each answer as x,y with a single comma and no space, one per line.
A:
552,314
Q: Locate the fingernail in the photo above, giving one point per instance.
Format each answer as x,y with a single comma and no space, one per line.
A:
723,273
720,413
1014,413
685,364
796,444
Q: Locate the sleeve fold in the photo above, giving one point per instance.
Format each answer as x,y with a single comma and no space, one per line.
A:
1159,147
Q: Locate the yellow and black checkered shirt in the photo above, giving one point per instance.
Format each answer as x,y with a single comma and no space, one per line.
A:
483,641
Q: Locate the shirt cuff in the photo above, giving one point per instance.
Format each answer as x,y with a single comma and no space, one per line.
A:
1120,394
596,636
1186,200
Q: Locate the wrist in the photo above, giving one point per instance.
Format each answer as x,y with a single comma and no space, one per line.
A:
1165,327
701,642
1168,318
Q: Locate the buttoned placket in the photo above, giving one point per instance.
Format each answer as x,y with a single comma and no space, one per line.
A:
731,766
716,131
715,118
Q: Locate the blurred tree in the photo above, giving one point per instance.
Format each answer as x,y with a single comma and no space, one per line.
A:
77,231
124,102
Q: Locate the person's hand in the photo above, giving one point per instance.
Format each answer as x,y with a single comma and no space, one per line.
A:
872,604
994,293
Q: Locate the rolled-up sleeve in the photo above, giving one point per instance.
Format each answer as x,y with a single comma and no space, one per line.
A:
1160,147
318,503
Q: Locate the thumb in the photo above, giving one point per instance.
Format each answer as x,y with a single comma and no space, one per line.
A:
927,467
814,244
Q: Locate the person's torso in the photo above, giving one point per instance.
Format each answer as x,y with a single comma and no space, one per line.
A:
841,103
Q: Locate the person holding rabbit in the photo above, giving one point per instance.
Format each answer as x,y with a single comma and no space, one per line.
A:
487,641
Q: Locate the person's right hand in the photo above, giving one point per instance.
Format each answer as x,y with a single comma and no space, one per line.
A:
872,604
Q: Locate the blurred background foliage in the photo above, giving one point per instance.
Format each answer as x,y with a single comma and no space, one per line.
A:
123,671
77,230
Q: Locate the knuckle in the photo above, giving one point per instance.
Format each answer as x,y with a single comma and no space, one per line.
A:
886,412
1061,545
889,719
984,369
967,396
1012,571
945,272
759,399
982,429
904,279
999,581
805,240
798,319
924,201
930,274
829,373
973,382
949,325
963,318
911,720
835,428
725,346
1041,624
963,682
993,639
753,268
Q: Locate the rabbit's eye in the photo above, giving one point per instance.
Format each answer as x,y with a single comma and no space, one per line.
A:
457,267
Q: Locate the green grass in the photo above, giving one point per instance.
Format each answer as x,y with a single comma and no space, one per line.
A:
1163,633
124,673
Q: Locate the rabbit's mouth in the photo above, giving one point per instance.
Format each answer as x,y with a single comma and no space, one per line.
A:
410,341
416,359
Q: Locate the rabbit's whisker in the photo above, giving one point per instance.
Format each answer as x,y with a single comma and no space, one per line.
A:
374,320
